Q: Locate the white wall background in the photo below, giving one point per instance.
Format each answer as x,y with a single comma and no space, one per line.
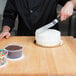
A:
2,5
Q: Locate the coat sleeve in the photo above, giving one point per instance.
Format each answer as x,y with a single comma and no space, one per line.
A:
62,2
9,14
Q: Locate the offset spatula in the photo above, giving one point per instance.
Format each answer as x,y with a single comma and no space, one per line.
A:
45,27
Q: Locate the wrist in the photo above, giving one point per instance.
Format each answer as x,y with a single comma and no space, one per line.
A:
71,2
6,29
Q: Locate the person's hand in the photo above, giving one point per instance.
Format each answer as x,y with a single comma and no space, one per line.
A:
66,11
4,34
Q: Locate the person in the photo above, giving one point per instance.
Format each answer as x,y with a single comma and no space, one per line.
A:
32,14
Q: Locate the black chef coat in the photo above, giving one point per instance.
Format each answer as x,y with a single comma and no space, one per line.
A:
32,14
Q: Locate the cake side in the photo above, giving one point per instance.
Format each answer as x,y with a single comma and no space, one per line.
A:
50,37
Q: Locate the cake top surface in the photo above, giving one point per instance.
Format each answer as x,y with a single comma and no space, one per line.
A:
13,47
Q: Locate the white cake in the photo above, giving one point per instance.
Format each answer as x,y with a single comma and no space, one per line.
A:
48,38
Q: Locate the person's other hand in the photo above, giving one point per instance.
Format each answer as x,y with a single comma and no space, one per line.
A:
66,11
4,34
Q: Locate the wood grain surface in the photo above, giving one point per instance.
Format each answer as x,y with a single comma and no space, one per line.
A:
41,61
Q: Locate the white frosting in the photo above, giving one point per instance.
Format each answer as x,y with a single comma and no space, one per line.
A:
50,37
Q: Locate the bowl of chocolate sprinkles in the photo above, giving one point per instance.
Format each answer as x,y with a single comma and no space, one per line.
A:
14,51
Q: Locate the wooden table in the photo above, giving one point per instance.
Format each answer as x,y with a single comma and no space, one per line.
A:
40,61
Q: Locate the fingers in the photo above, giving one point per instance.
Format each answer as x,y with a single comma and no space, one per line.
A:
63,16
8,35
4,34
58,15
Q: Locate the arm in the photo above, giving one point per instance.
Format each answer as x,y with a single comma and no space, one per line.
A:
9,14
9,17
